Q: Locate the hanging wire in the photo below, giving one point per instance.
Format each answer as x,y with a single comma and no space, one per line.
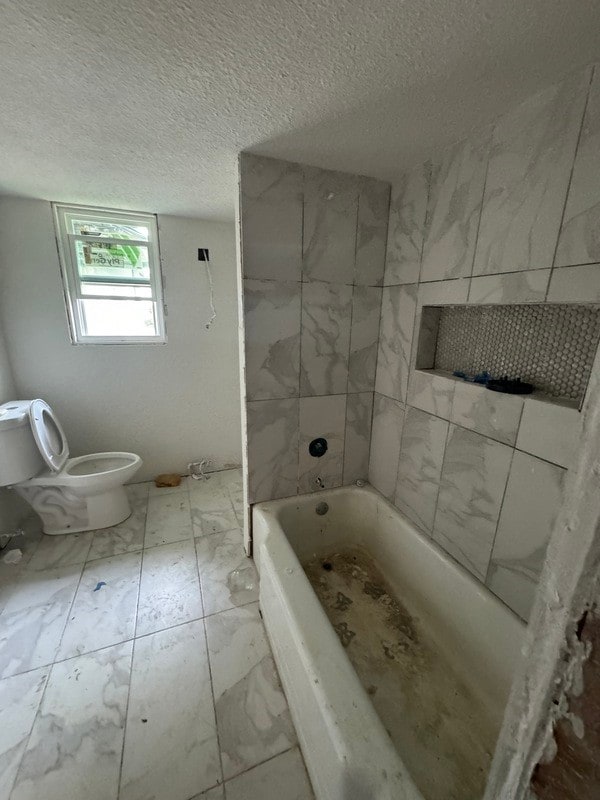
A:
211,296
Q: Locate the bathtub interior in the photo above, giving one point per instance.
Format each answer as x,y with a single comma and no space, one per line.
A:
478,636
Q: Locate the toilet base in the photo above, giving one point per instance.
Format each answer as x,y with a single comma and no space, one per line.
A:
62,511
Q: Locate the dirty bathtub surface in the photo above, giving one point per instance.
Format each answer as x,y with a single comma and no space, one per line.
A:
433,719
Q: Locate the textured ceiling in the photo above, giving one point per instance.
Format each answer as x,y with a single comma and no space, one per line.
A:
145,104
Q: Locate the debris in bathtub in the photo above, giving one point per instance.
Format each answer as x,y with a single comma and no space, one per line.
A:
345,634
289,570
342,602
99,585
374,590
372,689
327,566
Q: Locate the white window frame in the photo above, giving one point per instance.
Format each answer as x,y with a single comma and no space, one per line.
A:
72,280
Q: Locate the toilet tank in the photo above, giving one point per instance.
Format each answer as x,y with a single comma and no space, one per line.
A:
20,458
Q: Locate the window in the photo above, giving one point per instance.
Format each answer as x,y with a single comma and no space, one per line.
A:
110,267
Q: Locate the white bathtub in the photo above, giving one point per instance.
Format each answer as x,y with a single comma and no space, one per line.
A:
348,752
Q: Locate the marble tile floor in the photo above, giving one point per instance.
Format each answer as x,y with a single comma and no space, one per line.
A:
134,664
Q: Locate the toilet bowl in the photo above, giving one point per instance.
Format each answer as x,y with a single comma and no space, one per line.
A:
70,494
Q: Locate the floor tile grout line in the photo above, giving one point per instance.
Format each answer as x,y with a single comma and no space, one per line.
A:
266,761
208,661
214,703
137,606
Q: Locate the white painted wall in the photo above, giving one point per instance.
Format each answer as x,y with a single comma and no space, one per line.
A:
170,403
12,508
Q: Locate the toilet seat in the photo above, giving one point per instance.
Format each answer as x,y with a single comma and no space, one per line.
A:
49,435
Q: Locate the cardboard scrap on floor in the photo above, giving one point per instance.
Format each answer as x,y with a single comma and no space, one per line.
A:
167,479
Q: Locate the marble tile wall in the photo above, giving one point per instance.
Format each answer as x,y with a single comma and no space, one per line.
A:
509,216
313,246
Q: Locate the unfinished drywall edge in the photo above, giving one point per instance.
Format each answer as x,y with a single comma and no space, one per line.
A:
239,253
566,589
573,772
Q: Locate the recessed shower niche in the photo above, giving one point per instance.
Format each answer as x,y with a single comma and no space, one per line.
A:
551,345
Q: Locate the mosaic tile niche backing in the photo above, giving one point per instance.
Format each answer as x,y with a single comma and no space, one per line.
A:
552,345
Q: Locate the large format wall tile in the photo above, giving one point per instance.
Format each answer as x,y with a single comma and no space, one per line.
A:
271,211
579,241
364,335
453,210
549,431
272,339
398,306
386,431
408,207
489,413
532,500
321,417
575,284
473,480
272,449
330,215
420,466
371,232
528,174
528,286
432,393
359,410
326,319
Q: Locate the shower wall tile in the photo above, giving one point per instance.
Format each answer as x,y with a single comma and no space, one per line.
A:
549,431
419,470
530,165
330,218
371,232
364,335
272,427
453,211
579,242
326,319
489,413
398,308
271,212
473,480
528,286
533,498
432,393
313,253
359,410
575,284
386,432
321,417
408,208
272,340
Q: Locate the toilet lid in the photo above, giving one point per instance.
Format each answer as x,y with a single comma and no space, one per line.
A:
49,435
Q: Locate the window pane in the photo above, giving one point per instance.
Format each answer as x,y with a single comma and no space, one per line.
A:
81,226
114,262
118,318
116,290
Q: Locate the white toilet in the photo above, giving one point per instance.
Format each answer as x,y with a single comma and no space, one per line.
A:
69,494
